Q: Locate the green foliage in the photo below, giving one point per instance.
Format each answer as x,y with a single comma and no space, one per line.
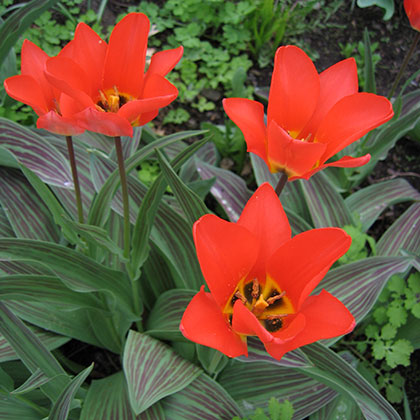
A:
276,411
362,245
387,5
176,116
148,172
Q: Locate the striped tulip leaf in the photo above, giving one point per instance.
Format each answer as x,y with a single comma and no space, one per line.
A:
257,353
252,385
207,153
34,152
12,407
341,407
229,189
403,235
107,399
192,205
77,271
153,371
165,317
61,408
32,352
6,229
37,379
326,206
27,214
359,284
332,370
261,171
370,202
49,340
202,399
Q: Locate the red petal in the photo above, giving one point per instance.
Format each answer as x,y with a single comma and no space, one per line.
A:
33,64
88,50
226,252
53,122
126,54
145,118
295,157
301,263
158,93
264,216
351,118
412,8
67,76
204,323
106,123
249,117
294,89
344,162
336,82
27,90
164,61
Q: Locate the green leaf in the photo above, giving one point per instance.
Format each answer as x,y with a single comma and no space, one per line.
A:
399,353
342,407
153,371
61,407
204,398
387,5
388,331
277,411
397,315
192,205
13,407
37,379
369,70
330,369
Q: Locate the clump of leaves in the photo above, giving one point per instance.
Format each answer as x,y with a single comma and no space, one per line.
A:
362,245
276,411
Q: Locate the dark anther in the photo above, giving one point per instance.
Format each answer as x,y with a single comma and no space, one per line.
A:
275,298
122,101
273,325
250,292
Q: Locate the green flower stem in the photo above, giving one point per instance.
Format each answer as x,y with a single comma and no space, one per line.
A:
70,149
281,183
124,190
404,64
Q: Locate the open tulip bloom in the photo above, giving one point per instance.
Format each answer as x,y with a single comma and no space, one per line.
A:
101,87
260,281
310,116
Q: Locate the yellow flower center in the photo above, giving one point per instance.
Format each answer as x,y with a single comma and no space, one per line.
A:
267,302
112,100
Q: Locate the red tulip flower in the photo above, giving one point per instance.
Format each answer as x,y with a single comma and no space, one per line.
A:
310,116
110,89
260,281
32,88
412,8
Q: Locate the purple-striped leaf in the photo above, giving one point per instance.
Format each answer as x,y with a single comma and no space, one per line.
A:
257,353
37,379
403,235
27,214
165,317
370,202
326,206
252,385
207,153
6,229
203,399
61,408
332,370
50,340
341,407
96,141
32,151
153,371
129,144
107,399
359,284
261,172
229,189
13,407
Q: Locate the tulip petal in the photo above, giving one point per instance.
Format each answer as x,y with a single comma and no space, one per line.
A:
249,117
301,263
57,124
264,216
412,9
294,89
106,123
158,93
351,118
88,50
164,61
294,157
33,64
226,252
336,82
204,323
344,162
27,90
126,55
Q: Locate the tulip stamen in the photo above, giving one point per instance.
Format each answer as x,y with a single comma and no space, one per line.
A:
255,288
238,295
275,298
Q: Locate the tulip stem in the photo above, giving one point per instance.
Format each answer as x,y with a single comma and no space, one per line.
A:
404,64
124,191
281,183
73,166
